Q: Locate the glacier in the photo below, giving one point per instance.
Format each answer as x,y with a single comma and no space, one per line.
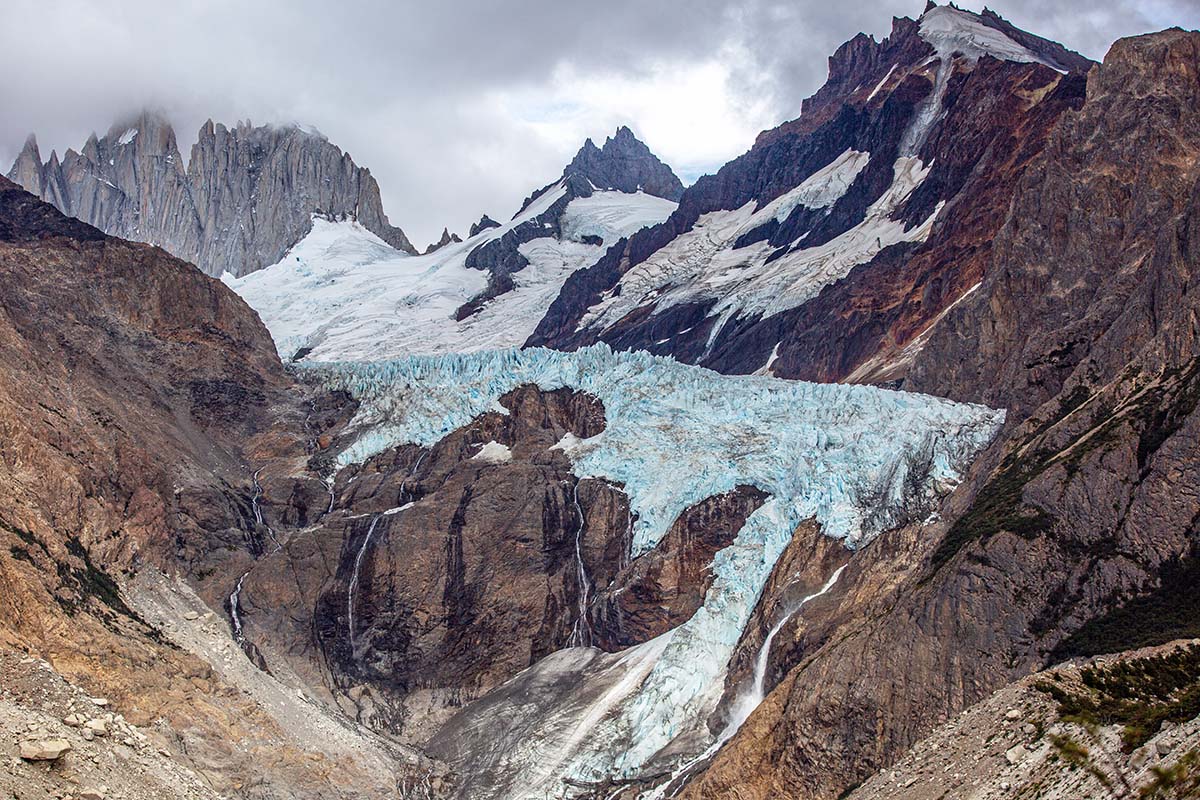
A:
857,459
343,293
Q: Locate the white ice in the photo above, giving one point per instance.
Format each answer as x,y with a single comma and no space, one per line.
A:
950,30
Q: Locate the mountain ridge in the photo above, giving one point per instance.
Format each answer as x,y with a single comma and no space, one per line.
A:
245,195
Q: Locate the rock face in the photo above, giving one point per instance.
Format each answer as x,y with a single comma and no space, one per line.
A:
460,565
1079,532
1016,741
662,589
247,193
624,164
135,393
447,238
485,223
829,249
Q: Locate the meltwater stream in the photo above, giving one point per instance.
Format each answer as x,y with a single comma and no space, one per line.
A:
746,702
352,587
235,597
581,633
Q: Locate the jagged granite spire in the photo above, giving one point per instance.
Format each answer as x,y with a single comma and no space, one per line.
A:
485,222
246,196
447,238
625,163
27,169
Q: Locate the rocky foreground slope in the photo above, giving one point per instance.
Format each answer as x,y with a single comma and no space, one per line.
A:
135,396
1052,736
245,195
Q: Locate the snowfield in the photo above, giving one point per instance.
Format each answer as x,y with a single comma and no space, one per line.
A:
857,459
703,264
345,294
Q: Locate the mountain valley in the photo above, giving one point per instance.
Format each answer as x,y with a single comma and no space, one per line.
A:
865,467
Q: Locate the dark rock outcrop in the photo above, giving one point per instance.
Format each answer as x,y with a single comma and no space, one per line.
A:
447,238
247,194
663,588
624,164
485,223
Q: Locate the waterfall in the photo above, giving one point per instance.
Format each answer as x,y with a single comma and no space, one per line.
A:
258,517
748,700
362,551
581,633
354,579
235,599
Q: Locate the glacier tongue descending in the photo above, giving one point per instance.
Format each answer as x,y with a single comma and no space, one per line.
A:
856,459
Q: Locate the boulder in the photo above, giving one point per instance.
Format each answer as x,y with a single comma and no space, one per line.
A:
44,749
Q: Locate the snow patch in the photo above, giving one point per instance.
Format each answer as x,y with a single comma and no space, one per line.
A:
879,85
493,453
823,188
128,136
702,264
951,30
568,443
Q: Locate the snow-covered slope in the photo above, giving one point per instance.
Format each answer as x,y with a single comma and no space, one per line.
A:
706,263
856,459
343,293
952,30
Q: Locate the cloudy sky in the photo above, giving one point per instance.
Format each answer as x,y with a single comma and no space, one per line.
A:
461,107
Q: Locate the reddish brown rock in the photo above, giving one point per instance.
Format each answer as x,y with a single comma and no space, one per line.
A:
664,587
1079,530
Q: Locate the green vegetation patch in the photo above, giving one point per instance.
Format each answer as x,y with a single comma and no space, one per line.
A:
999,507
1139,694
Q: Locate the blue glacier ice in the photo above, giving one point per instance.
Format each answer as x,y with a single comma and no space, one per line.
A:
856,459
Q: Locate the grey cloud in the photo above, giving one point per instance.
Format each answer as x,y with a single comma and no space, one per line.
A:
404,86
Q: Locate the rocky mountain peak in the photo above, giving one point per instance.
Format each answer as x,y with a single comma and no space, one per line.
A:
485,222
447,238
247,194
27,169
624,163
